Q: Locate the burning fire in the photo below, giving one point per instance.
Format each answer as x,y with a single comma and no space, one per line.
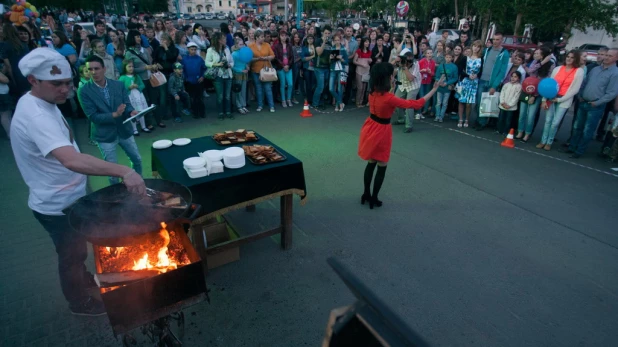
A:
163,262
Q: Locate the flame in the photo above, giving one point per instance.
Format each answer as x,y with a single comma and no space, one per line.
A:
115,251
163,261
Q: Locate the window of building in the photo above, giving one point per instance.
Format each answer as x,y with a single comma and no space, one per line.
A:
229,4
220,3
189,9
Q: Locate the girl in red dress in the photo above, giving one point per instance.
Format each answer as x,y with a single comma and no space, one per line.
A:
376,134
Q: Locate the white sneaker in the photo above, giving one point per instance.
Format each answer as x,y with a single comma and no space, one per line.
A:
272,110
290,103
418,116
259,109
283,104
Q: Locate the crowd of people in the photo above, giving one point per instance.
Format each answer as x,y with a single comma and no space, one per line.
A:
176,65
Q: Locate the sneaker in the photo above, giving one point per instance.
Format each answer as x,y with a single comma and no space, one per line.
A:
408,130
440,120
246,110
229,115
290,103
418,116
178,120
436,119
422,117
272,110
283,104
89,307
186,112
206,95
146,130
135,133
294,102
259,109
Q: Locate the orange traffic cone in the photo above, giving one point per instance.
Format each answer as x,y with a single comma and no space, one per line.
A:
509,142
306,112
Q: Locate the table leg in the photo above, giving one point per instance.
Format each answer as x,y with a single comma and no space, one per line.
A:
286,221
250,208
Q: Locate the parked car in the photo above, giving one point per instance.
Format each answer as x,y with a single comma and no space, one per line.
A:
452,34
592,50
522,43
318,21
89,26
221,16
187,16
199,16
209,16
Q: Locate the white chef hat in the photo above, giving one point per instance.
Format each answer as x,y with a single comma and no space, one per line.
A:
45,64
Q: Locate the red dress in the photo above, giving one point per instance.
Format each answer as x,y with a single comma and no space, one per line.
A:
376,138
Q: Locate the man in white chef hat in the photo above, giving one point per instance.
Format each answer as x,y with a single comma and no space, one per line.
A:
55,171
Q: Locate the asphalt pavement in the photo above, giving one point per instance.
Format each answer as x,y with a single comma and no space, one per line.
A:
476,244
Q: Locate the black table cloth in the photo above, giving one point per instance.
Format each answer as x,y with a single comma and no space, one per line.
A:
232,188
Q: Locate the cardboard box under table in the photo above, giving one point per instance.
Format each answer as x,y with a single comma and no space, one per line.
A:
235,188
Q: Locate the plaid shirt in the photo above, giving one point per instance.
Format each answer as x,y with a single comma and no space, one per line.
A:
407,85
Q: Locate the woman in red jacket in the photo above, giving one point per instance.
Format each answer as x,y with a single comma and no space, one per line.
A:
376,135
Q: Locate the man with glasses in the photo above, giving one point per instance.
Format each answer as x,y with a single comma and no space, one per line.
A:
495,63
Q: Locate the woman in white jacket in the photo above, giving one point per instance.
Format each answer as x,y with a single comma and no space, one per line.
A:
569,77
200,38
219,58
509,97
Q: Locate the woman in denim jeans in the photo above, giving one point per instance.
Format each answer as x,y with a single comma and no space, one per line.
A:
530,104
285,57
219,57
308,59
338,62
262,57
240,70
297,49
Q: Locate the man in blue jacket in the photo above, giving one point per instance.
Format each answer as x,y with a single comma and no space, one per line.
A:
194,68
495,62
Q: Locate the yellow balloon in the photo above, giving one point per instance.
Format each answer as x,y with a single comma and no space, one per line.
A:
28,5
33,9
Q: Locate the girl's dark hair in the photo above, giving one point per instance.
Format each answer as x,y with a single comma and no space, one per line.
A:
518,75
216,37
195,27
224,28
62,36
362,44
306,43
11,36
124,67
120,39
381,74
76,34
30,43
131,38
543,71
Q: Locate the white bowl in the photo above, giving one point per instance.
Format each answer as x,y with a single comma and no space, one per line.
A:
197,173
233,152
194,163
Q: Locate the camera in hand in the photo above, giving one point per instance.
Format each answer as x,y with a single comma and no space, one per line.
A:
406,60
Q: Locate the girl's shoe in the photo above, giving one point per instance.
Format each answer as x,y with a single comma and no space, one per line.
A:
284,104
146,130
540,145
294,101
290,103
259,109
435,119
440,120
341,106
336,108
547,147
460,124
465,124
365,197
525,138
135,133
519,135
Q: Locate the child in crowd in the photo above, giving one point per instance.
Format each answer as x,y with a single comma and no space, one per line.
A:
176,88
134,86
509,97
84,75
451,75
427,68
194,69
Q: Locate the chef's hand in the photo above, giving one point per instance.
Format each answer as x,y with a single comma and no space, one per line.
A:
134,183
134,112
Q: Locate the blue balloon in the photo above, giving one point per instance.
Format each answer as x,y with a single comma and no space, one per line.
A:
548,88
28,12
245,55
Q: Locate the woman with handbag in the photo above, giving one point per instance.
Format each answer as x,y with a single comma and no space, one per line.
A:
240,70
262,70
219,60
569,77
285,57
362,61
308,59
165,56
144,68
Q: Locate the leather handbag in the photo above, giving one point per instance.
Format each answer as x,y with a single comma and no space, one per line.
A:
268,74
157,79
